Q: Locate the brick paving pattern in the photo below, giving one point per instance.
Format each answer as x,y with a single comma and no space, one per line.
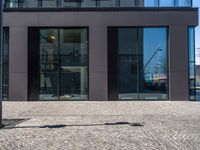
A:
128,125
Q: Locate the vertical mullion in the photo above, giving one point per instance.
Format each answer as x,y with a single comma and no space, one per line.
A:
113,87
97,3
59,63
39,3
57,3
33,63
138,71
79,3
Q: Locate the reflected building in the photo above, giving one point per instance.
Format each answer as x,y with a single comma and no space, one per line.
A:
99,50
197,73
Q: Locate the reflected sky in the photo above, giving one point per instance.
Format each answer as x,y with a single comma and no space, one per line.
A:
155,47
196,3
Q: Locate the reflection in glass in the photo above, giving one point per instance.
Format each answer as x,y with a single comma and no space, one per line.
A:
166,3
70,3
107,3
128,3
49,64
5,52
73,63
142,63
28,3
49,3
95,3
63,64
88,3
151,3
11,3
127,63
183,3
153,84
192,78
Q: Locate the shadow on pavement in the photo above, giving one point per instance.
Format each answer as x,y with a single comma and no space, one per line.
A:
73,125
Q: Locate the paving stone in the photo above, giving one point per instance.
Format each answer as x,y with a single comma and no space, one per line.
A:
134,125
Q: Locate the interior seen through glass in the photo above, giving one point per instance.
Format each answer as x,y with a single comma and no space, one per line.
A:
63,64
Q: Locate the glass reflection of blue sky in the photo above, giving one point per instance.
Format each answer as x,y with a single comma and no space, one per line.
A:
167,3
196,3
155,42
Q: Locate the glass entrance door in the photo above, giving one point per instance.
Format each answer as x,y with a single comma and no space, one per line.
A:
63,64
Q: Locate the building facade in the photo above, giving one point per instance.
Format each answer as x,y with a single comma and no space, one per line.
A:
99,50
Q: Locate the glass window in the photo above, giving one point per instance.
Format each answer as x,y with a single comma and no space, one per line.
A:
166,3
11,3
107,3
183,3
192,78
28,3
142,63
128,3
153,80
95,3
128,63
49,71
70,3
73,63
151,3
49,3
63,64
5,60
88,3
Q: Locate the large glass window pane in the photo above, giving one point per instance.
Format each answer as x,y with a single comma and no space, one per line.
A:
49,64
192,79
70,3
128,63
11,3
28,3
151,3
73,63
128,3
5,63
183,3
142,63
49,3
153,79
107,3
63,64
166,3
88,3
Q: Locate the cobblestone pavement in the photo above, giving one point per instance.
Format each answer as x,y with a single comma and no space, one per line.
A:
102,125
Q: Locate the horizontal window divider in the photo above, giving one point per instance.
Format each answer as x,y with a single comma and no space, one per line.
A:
94,3
99,9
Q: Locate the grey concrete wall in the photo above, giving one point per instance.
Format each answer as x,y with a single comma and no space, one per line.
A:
98,23
178,63
18,73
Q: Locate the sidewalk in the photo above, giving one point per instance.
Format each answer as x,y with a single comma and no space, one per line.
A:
101,125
